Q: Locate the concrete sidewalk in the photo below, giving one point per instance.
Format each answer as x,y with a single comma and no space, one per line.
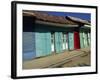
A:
54,60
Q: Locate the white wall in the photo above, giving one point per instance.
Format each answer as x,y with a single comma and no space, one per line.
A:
5,37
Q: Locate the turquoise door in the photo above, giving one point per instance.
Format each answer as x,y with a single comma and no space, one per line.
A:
89,39
65,43
43,43
52,41
81,39
85,36
70,40
39,44
58,42
48,43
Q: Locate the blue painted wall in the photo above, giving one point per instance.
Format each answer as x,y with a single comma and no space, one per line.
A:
29,51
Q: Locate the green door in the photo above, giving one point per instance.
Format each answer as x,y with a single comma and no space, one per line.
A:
43,43
89,39
64,41
47,43
65,46
70,40
81,39
52,42
40,45
85,36
58,42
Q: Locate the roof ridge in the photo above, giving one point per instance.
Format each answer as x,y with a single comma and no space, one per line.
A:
56,19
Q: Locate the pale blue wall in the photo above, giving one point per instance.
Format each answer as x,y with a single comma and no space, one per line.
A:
29,51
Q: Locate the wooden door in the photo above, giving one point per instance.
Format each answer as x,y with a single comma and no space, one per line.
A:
58,42
48,43
81,39
85,39
52,41
43,43
65,41
89,39
70,41
76,40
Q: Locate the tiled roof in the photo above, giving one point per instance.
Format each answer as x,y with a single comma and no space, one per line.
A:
42,16
78,20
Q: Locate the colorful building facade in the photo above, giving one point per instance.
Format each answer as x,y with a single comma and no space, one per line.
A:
45,34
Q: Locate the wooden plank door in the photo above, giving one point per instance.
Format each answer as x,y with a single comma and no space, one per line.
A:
65,41
52,41
43,43
85,39
89,39
70,41
40,44
81,39
58,42
76,40
48,43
